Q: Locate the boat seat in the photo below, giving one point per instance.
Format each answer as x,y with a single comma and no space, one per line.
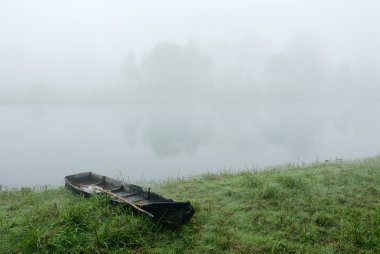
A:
136,199
91,184
117,189
128,195
98,183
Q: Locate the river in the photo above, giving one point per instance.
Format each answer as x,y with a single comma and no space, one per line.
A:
41,143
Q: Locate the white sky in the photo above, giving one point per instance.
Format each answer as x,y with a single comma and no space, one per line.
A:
42,38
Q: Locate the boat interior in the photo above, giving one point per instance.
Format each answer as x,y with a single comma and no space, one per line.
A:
131,193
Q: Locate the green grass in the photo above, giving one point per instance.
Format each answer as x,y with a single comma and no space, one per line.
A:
325,208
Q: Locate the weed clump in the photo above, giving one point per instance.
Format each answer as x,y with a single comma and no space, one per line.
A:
324,220
253,180
271,191
291,182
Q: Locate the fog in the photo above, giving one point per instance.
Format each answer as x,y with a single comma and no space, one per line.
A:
150,90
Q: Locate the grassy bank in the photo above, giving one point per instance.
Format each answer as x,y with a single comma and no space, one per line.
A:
325,208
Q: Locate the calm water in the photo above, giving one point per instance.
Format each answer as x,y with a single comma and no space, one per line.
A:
40,144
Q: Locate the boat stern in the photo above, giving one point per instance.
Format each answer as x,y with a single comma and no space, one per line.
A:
175,213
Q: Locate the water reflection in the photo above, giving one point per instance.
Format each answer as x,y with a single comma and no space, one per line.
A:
41,144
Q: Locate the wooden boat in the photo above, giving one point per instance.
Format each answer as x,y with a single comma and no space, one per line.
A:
158,207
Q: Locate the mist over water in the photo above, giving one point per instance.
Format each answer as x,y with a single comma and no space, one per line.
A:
151,100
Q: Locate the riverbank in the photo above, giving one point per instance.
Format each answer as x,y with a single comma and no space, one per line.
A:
323,208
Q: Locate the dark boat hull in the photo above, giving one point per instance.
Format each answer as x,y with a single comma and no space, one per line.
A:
161,208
